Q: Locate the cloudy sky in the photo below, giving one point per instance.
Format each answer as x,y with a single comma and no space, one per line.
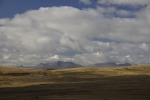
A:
81,31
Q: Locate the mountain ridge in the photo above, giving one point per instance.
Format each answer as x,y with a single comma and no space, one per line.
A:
62,64
110,64
57,65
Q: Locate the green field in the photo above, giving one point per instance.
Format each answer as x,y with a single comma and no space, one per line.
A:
87,83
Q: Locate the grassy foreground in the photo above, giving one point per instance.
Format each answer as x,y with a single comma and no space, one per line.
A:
119,83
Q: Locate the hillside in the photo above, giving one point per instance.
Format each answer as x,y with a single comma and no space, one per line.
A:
86,83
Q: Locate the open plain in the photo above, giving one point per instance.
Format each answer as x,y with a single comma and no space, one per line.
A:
86,83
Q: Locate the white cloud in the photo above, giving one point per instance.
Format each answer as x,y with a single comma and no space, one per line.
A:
68,34
56,57
144,47
5,57
90,58
124,13
43,39
86,2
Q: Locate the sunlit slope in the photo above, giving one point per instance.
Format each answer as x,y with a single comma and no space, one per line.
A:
13,76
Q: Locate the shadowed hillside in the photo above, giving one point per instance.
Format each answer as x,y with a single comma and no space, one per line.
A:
86,83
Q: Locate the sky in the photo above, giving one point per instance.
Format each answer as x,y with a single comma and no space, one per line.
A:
81,31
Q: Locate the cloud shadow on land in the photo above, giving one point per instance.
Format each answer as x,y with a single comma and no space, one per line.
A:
110,88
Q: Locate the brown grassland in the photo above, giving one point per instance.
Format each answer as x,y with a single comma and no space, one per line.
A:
86,83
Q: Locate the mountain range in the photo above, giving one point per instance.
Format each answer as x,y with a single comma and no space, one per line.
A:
57,65
109,64
62,64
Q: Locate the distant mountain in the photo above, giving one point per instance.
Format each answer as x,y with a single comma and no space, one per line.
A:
125,64
21,66
106,64
62,64
109,64
57,65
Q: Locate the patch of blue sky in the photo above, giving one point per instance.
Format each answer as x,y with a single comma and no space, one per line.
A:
125,7
132,9
9,8
114,14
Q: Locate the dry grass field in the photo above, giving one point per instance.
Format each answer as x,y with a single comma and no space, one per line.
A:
86,83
